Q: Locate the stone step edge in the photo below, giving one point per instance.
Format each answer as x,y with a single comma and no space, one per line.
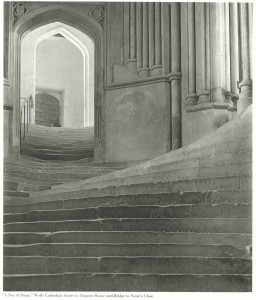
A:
119,232
131,206
120,219
17,246
115,196
132,257
83,274
86,186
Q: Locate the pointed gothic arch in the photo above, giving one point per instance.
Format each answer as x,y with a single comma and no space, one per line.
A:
83,23
87,64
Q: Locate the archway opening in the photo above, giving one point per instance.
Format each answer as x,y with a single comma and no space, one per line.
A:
59,59
57,72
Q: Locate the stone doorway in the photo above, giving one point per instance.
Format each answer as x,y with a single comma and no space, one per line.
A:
87,25
47,110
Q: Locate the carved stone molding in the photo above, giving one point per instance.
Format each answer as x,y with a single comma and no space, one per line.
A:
98,14
210,105
19,9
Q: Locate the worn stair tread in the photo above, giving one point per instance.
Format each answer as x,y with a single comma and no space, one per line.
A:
242,239
188,185
164,198
129,282
135,249
136,211
235,225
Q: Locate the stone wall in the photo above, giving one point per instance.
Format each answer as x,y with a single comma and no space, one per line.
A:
195,53
197,48
60,65
137,124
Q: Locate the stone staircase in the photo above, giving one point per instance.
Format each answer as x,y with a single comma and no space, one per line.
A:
57,143
177,223
25,175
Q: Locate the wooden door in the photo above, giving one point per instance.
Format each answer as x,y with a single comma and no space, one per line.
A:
47,110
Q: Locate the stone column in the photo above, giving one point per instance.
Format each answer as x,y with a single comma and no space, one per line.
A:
217,52
145,71
245,97
139,34
191,98
204,94
228,94
131,63
151,13
234,53
175,75
157,68
126,25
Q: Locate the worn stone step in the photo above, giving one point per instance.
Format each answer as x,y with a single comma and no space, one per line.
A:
128,282
59,157
16,193
188,185
28,185
36,183
99,250
45,177
32,161
48,177
153,211
199,160
72,146
10,185
216,225
207,197
70,168
61,151
243,169
127,237
198,150
164,265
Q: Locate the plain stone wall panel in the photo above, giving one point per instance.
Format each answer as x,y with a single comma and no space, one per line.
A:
138,122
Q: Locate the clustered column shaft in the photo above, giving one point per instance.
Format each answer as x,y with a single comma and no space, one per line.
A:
204,94
145,71
157,67
175,76
234,52
131,63
144,52
192,97
245,97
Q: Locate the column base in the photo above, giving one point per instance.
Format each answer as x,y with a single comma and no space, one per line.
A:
156,70
144,72
204,97
245,97
234,99
191,99
228,96
131,64
243,103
